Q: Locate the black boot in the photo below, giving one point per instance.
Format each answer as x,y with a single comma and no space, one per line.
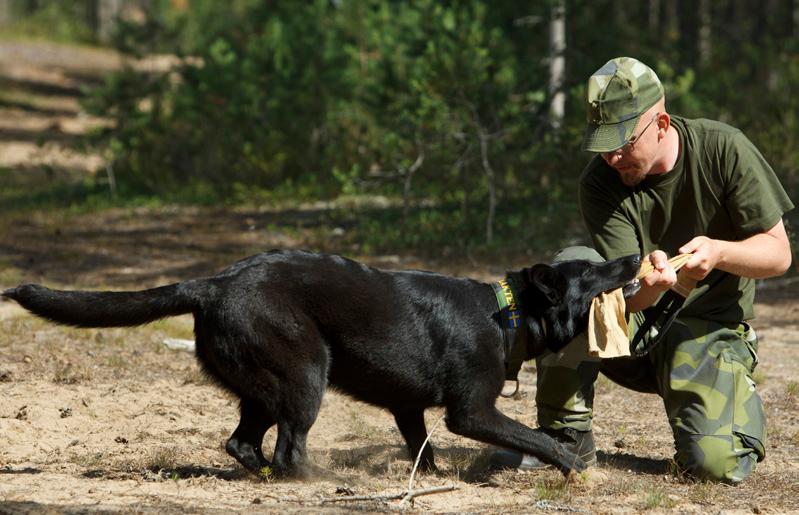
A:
580,443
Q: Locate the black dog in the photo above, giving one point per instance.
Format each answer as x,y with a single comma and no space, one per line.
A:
276,328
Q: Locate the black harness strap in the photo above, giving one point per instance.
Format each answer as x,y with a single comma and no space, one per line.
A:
663,315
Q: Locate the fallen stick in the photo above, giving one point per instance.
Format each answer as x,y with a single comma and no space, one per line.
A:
419,454
427,491
390,497
408,495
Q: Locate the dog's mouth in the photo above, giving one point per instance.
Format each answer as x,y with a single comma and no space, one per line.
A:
631,288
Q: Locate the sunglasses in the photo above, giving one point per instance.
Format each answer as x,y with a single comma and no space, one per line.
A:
627,147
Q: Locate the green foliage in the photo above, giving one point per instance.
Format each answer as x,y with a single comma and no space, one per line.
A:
266,473
345,97
59,20
248,111
439,104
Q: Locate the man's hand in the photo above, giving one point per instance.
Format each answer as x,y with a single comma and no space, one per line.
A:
663,276
707,253
654,283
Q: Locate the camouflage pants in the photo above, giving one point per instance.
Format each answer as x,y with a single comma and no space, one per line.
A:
702,371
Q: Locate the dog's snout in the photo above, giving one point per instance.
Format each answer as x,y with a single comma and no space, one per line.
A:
632,262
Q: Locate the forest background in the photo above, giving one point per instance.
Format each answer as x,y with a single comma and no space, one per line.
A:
429,125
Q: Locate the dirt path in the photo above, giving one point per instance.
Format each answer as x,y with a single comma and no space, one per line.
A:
113,421
40,87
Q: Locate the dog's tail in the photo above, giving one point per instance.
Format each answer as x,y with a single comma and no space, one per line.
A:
108,308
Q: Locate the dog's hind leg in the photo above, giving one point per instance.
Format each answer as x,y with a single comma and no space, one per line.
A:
289,458
301,398
245,442
411,425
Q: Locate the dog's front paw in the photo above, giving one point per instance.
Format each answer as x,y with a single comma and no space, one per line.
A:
572,465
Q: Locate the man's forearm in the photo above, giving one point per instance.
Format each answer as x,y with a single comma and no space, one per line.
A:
645,297
758,257
763,255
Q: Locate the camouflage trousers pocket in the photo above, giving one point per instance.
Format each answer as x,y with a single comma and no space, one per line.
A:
749,418
749,339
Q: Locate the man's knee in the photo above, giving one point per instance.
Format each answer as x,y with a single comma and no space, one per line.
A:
717,457
565,379
565,393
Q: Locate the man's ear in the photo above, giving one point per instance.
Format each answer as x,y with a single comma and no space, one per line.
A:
548,281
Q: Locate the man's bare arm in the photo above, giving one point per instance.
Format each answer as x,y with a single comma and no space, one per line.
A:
767,254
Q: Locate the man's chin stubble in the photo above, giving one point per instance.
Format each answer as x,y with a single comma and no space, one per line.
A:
631,180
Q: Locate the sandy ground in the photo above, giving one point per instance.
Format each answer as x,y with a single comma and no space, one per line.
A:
110,419
113,421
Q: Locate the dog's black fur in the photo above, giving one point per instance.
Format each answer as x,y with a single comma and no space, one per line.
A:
275,329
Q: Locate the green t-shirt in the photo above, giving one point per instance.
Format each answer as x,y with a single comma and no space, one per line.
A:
721,187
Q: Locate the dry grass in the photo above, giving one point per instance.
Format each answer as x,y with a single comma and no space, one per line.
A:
161,458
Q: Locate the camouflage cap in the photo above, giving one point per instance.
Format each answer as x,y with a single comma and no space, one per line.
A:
618,94
577,252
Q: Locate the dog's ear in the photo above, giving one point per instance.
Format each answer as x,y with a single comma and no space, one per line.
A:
548,281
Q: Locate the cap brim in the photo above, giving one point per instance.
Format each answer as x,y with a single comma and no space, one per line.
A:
609,136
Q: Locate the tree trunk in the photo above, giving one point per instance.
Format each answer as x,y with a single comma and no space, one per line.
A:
557,64
408,174
489,172
795,30
620,9
5,13
654,17
704,34
462,172
107,14
672,21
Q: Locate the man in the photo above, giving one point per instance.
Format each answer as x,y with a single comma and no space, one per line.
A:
663,185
